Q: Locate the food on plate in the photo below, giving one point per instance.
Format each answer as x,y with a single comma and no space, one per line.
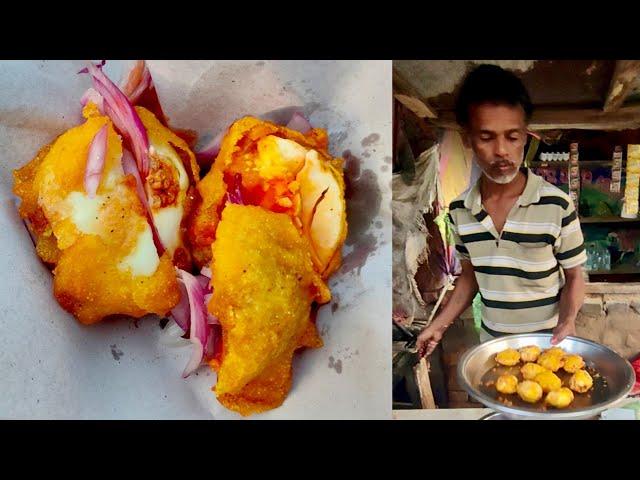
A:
530,370
529,391
105,202
551,360
573,363
581,381
555,351
263,323
236,242
560,398
507,383
273,208
549,381
529,353
508,357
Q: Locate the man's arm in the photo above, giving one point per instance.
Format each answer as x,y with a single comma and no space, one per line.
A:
465,290
571,300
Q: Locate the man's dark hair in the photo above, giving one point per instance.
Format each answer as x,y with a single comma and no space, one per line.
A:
491,84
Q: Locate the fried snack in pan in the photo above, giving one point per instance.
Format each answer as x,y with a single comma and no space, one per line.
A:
548,380
530,370
508,357
581,381
573,363
551,360
530,353
560,398
507,384
529,391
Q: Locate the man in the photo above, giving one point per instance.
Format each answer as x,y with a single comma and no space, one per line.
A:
518,237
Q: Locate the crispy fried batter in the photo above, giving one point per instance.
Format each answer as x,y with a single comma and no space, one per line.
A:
529,391
551,360
264,284
508,357
530,370
280,170
529,353
581,381
93,242
549,381
560,398
507,383
573,363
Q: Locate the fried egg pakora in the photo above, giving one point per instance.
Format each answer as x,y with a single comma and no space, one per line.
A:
581,381
530,370
125,274
551,360
549,381
529,353
507,383
529,391
263,322
273,216
573,363
560,398
508,357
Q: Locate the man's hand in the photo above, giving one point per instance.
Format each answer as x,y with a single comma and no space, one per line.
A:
563,330
428,340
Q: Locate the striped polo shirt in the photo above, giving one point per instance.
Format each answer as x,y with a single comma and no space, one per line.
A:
518,272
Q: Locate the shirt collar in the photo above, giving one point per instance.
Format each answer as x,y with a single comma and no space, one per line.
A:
531,193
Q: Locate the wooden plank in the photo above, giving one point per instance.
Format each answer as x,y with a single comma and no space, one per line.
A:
442,414
623,76
416,106
552,119
603,287
406,94
424,384
608,219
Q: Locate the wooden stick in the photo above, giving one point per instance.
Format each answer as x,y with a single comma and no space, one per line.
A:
424,384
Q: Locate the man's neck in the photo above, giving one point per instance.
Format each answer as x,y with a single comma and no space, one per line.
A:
490,189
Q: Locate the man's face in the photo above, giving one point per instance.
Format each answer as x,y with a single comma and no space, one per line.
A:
497,134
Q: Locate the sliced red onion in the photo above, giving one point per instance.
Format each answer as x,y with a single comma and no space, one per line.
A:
300,123
138,80
204,282
124,117
212,319
130,168
95,161
140,90
206,271
209,153
199,328
234,195
86,69
92,96
180,312
209,349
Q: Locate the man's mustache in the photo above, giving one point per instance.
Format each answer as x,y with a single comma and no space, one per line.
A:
501,163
